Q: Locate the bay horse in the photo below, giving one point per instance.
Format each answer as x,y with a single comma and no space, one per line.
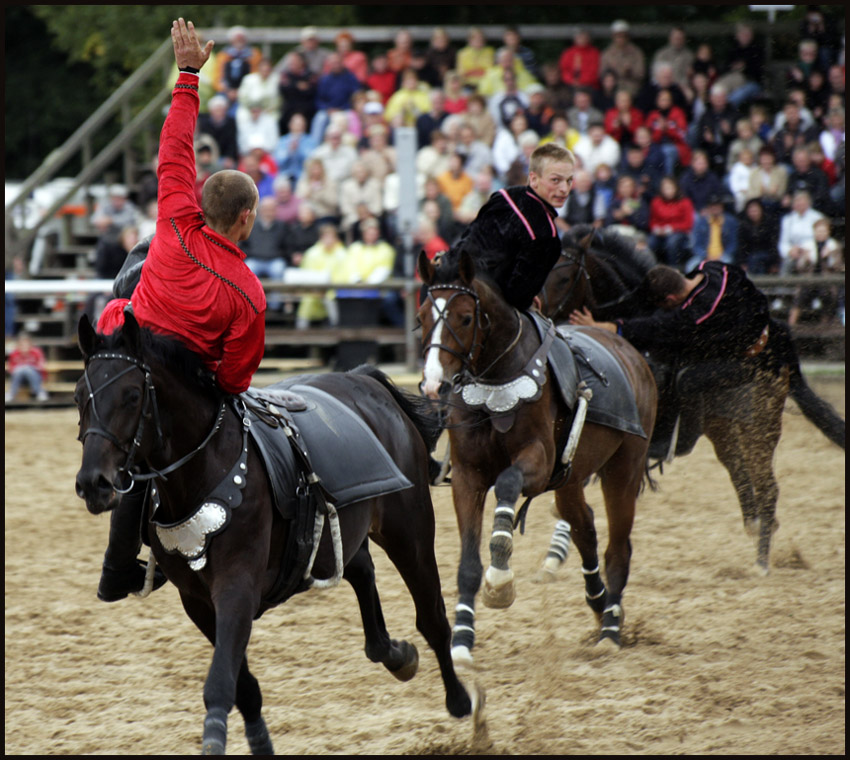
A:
473,340
603,271
146,398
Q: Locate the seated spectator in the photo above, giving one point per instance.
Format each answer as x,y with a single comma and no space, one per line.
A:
628,213
263,179
433,159
506,147
441,54
820,161
286,202
744,67
353,60
561,132
511,100
256,128
378,154
738,178
583,206
699,183
455,183
539,113
484,186
334,91
560,94
760,118
662,79
479,118
678,55
401,53
235,62
113,213
262,87
583,113
820,301
381,78
326,258
476,155
512,40
816,27
758,240
817,95
455,94
799,96
746,139
437,207
474,59
293,148
698,106
297,87
517,173
360,196
623,119
319,190
768,182
428,238
792,134
424,70
644,162
335,155
668,126
624,58
409,102
716,129
432,119
579,63
301,234
266,248
604,187
671,221
27,366
797,235
705,64
603,98
310,50
807,62
494,82
806,176
368,261
596,147
715,234
219,125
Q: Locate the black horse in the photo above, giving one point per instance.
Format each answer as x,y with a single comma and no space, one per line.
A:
603,271
146,399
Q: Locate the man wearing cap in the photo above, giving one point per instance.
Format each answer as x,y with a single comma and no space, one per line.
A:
194,283
314,55
114,213
624,58
236,61
514,237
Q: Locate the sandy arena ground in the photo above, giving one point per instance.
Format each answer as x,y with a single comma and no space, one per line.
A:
717,659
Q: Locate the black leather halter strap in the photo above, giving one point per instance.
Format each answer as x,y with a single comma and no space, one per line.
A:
442,316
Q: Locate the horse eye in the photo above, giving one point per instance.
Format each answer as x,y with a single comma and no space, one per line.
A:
467,320
132,396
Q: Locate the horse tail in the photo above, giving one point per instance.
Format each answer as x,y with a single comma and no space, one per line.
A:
422,413
819,412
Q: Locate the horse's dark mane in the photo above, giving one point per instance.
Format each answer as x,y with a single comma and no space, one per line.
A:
447,266
615,250
168,352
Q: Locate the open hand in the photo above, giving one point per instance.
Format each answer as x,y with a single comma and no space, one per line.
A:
583,317
187,48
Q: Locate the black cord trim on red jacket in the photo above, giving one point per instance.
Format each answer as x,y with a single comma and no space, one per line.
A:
210,270
186,87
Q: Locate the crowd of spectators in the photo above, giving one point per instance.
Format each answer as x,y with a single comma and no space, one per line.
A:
689,154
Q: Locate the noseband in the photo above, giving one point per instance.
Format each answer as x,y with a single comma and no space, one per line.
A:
149,408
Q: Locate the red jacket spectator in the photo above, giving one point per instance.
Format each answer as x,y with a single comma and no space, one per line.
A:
382,79
579,64
616,126
670,125
194,284
677,214
28,355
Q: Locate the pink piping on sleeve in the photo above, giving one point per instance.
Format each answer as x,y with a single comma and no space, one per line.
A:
716,300
519,214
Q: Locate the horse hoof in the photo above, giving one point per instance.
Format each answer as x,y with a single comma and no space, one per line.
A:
609,641
212,747
499,591
409,662
545,575
762,569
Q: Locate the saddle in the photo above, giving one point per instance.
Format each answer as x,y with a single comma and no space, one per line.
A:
316,452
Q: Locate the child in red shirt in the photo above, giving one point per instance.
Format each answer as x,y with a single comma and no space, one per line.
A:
26,365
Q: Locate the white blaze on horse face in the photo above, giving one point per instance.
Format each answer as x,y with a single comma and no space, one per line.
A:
433,373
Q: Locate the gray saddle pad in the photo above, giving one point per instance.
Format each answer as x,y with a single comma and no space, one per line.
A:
578,357
349,459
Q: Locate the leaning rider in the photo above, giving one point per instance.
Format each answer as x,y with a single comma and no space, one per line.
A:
514,238
194,285
712,321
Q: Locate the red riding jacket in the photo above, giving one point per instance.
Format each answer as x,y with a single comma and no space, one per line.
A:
194,283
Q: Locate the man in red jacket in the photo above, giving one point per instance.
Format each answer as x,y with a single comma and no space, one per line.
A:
194,284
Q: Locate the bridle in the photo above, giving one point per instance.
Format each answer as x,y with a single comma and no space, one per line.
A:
149,409
481,327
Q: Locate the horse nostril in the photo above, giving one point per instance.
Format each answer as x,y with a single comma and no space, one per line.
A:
444,389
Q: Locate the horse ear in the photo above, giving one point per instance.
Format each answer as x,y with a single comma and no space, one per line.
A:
426,268
466,268
132,334
86,336
585,242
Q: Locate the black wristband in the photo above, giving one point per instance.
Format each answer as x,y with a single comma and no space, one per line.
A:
190,70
